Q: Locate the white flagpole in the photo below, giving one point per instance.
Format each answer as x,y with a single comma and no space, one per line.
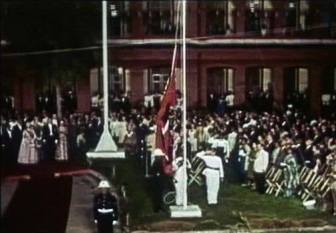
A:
185,211
184,122
105,65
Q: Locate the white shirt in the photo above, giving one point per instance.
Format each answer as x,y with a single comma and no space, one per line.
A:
212,161
261,161
229,99
224,144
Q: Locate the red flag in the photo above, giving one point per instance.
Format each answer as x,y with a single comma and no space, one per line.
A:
164,140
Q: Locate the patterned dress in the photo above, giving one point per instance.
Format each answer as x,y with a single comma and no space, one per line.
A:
62,146
291,175
28,153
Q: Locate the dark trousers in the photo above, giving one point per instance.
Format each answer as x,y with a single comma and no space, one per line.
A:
157,192
259,179
105,223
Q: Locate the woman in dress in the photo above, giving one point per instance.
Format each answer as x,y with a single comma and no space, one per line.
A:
62,146
28,153
290,173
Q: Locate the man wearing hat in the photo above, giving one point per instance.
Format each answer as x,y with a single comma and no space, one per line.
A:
213,173
105,208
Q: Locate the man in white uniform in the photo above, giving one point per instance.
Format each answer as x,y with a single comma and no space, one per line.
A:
213,173
179,178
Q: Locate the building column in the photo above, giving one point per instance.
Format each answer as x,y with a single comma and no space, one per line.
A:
137,19
192,85
240,17
202,17
136,84
278,86
83,95
240,85
202,89
192,27
315,74
18,93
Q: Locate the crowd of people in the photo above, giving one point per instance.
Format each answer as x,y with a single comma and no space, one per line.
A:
247,143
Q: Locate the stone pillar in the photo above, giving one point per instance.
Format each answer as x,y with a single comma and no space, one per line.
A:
137,19
18,93
315,74
202,90
240,17
136,83
278,86
202,17
83,95
240,85
192,85
192,12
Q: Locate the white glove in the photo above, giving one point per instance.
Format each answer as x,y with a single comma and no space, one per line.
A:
95,221
283,164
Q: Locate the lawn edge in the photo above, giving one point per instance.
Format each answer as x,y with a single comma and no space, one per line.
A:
291,229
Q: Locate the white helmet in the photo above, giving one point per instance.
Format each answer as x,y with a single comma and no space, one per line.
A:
104,184
158,152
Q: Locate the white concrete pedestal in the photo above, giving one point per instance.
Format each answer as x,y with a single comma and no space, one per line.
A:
191,211
106,148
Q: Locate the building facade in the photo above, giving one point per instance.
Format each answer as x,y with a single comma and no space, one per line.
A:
287,47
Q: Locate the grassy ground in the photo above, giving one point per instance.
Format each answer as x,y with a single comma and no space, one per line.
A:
238,207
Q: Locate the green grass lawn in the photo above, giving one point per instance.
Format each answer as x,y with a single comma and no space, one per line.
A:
238,206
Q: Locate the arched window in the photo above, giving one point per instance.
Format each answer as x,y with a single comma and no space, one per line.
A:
258,79
220,80
157,79
219,17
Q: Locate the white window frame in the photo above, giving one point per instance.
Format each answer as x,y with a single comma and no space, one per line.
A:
301,79
265,78
162,76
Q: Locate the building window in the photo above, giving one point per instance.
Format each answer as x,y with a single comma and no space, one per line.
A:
329,81
297,11
160,17
301,80
220,80
219,17
117,79
259,79
158,78
120,20
259,17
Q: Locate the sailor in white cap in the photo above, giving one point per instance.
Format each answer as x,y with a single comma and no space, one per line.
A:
213,173
105,208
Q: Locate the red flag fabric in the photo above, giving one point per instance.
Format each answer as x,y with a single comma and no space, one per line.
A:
164,140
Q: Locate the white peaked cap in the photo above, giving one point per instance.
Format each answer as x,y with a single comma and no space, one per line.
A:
158,152
104,184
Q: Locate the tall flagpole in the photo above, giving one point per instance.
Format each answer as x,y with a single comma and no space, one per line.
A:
105,65
184,122
184,211
106,148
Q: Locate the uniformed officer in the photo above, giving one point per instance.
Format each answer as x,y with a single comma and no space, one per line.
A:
105,208
179,178
213,173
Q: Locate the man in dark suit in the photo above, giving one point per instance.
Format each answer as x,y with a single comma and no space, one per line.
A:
16,138
49,140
